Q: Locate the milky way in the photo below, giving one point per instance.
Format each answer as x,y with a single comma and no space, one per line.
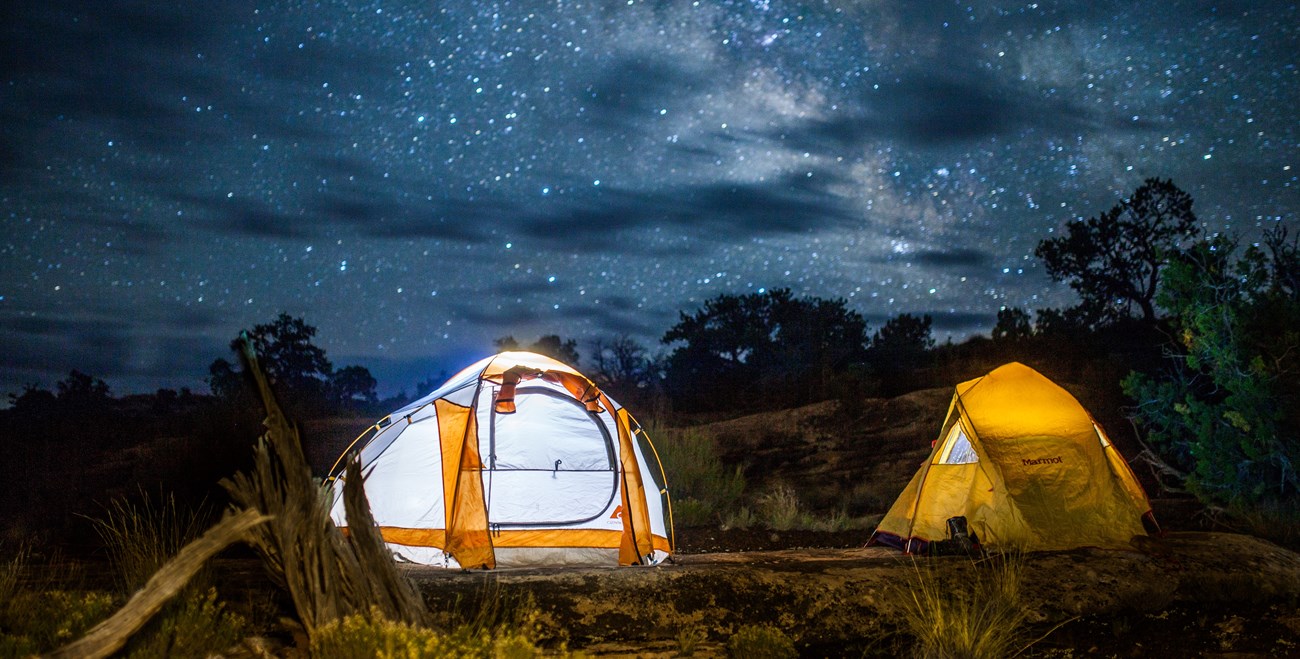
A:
416,179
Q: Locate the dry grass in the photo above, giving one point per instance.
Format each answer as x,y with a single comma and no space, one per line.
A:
1278,521
760,642
975,613
781,509
11,572
141,537
328,576
704,489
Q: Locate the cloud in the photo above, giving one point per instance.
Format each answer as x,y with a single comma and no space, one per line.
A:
167,345
636,87
938,105
956,322
959,258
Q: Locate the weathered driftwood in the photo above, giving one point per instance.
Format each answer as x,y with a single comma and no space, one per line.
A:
110,635
328,576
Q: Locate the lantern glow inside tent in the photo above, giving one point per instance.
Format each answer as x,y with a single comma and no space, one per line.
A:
518,460
1026,465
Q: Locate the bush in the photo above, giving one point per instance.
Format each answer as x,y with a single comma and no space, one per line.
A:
704,489
780,508
198,626
760,642
1226,411
361,636
33,622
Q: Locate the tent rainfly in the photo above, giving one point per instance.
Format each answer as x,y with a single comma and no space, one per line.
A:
518,460
1026,465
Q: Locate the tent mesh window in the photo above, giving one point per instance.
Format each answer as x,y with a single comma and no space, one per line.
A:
957,448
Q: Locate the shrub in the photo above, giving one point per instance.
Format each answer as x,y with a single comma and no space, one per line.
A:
760,642
361,636
1225,411
198,626
702,486
33,622
973,613
780,508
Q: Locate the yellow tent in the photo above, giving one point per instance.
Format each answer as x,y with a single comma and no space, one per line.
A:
1027,467
518,460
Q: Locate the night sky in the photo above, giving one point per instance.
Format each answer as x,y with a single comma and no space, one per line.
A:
417,179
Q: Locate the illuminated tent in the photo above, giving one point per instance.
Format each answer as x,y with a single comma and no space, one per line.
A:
1027,467
517,460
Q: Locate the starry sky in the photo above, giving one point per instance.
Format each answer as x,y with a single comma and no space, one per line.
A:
416,179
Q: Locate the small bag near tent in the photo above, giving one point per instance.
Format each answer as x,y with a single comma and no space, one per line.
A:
1026,466
518,460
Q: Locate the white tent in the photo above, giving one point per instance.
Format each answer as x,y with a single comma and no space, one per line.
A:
517,460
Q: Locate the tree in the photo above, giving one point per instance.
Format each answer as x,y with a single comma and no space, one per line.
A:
1113,261
79,390
353,386
292,362
1227,411
1012,325
623,366
550,345
760,349
904,336
297,368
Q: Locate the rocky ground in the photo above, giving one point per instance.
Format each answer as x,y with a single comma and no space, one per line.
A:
1188,594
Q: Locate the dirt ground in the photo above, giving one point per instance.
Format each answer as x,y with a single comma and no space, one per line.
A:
1188,594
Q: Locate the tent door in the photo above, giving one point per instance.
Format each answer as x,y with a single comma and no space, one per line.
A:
550,463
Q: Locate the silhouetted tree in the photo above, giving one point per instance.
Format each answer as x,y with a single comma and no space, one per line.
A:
292,362
298,370
760,349
82,391
1013,324
550,345
903,337
623,367
1050,321
353,386
1113,261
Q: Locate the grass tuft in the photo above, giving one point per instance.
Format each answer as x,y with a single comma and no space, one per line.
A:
760,642
141,537
689,639
781,510
11,572
975,613
1278,521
